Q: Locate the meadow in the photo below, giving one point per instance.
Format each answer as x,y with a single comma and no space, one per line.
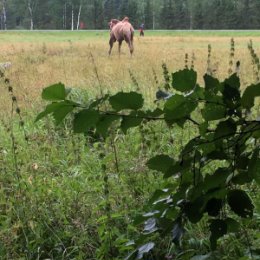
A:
53,186
42,58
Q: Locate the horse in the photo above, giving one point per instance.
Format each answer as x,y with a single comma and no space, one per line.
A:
120,31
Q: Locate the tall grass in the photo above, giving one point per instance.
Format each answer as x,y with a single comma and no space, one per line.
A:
39,59
75,199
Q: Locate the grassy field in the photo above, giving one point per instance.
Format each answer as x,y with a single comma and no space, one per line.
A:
52,198
42,58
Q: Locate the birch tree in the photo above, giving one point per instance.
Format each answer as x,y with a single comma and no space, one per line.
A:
72,17
32,5
3,15
79,13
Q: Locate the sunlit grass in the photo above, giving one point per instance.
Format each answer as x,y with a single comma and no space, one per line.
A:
62,195
42,58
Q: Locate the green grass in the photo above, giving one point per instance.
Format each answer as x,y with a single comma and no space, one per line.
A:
78,36
52,188
50,36
204,33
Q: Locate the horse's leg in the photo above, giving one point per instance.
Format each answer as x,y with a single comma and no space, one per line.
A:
119,47
130,45
111,43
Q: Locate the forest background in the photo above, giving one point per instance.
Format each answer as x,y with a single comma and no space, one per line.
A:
155,14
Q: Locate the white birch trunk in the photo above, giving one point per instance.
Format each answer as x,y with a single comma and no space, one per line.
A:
31,15
153,20
72,18
4,15
65,15
79,17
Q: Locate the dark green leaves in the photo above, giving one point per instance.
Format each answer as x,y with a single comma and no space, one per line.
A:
104,123
132,120
254,166
54,92
212,85
218,228
225,129
232,225
123,100
240,203
249,95
59,110
213,111
84,120
184,80
178,107
160,163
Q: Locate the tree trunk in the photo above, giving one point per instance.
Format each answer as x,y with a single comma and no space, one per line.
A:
64,20
1,22
31,15
79,16
153,20
72,18
4,15
191,22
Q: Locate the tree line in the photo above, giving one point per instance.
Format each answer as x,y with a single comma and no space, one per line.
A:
155,14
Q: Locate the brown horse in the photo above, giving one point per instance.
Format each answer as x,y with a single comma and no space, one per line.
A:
120,31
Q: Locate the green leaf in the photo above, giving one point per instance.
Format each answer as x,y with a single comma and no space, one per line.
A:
194,210
121,100
132,120
203,128
184,80
217,155
84,120
216,180
62,112
104,123
213,112
218,228
214,206
248,98
179,167
240,203
254,166
233,81
160,163
232,225
226,129
59,110
54,92
231,93
178,107
198,93
212,85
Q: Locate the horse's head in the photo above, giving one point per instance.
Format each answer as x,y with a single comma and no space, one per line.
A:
126,19
112,23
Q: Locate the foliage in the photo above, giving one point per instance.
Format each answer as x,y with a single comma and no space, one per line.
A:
210,179
156,14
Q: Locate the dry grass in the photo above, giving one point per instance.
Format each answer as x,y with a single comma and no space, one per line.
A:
37,64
